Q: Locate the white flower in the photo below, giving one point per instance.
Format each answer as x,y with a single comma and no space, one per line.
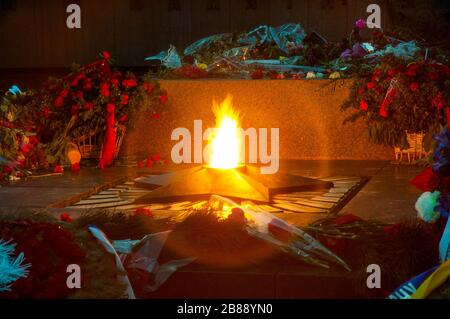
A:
310,75
426,205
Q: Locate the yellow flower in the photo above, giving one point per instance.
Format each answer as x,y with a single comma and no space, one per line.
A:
202,66
335,75
25,139
10,117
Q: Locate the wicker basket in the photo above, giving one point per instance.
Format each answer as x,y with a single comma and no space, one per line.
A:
91,145
415,150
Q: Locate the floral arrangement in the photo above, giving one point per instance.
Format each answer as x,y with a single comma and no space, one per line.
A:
85,99
49,249
19,147
190,72
37,128
434,181
287,52
397,98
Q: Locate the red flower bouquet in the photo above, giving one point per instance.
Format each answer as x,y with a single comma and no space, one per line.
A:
49,249
397,98
88,99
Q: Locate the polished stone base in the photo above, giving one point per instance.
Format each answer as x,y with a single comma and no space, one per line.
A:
244,182
307,113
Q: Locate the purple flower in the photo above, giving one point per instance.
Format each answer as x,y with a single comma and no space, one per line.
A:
354,53
360,24
358,51
347,54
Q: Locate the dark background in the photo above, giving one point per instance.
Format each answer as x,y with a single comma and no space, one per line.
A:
33,33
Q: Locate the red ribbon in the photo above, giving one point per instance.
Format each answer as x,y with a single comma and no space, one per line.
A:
109,142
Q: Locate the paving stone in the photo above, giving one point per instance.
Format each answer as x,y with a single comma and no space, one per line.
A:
103,205
97,201
35,197
313,203
327,199
103,196
339,190
333,195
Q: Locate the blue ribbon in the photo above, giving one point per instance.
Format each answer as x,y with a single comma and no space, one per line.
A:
444,244
14,90
408,288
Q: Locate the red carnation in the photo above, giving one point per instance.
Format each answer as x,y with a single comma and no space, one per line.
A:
412,70
58,169
143,212
46,112
156,158
147,87
376,74
156,116
371,85
360,91
141,164
25,148
392,72
125,99
363,105
383,111
115,82
7,169
149,162
88,106
163,98
414,86
77,79
33,140
257,74
59,101
104,90
64,93
106,55
65,217
426,181
129,83
346,219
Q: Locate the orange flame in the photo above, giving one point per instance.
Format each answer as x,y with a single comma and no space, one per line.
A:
225,142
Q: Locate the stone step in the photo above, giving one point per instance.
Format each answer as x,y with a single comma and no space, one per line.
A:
316,204
97,201
103,205
327,199
300,208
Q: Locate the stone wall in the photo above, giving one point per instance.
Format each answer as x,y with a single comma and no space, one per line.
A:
306,111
